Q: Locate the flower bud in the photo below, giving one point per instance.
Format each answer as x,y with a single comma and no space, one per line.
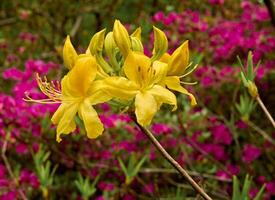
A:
121,38
136,44
97,42
111,50
160,44
137,33
252,89
69,54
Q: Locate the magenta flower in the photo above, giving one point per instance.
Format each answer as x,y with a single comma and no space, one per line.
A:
221,134
270,187
250,153
159,128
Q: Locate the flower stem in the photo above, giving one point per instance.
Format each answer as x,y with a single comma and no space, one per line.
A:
172,161
8,166
265,111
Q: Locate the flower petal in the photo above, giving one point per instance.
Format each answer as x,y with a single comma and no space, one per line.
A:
120,87
59,113
158,72
179,60
97,93
78,80
162,95
173,83
66,124
136,67
92,123
146,107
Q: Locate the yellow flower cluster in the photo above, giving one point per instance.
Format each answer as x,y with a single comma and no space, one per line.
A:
126,75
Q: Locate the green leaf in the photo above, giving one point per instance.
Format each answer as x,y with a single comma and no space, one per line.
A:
259,195
246,187
123,167
236,189
138,166
250,66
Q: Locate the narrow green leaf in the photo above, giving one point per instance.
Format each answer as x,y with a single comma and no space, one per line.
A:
259,195
236,189
246,187
250,66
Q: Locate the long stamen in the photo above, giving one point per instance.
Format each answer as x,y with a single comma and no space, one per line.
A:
51,89
186,74
189,83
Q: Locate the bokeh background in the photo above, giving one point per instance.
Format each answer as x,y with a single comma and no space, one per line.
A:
222,136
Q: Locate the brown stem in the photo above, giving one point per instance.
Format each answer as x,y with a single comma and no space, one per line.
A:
260,131
268,115
8,166
172,161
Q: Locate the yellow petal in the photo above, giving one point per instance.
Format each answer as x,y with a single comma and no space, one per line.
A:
146,107
97,93
173,83
158,72
67,124
136,67
162,95
59,113
77,82
165,58
120,87
122,38
179,60
92,123
69,54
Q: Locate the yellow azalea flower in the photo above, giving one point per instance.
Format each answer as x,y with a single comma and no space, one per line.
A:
140,84
177,64
78,93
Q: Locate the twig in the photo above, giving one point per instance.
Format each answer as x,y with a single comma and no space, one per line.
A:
265,111
162,170
76,26
7,21
173,162
260,131
8,167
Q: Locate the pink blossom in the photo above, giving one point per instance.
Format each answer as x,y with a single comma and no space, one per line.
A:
270,187
148,188
218,2
106,186
250,153
11,195
21,148
159,128
221,134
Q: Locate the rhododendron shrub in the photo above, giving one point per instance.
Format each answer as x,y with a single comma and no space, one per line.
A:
225,135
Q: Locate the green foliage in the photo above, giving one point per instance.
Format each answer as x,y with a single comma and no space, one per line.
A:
132,168
243,193
84,186
43,167
245,107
